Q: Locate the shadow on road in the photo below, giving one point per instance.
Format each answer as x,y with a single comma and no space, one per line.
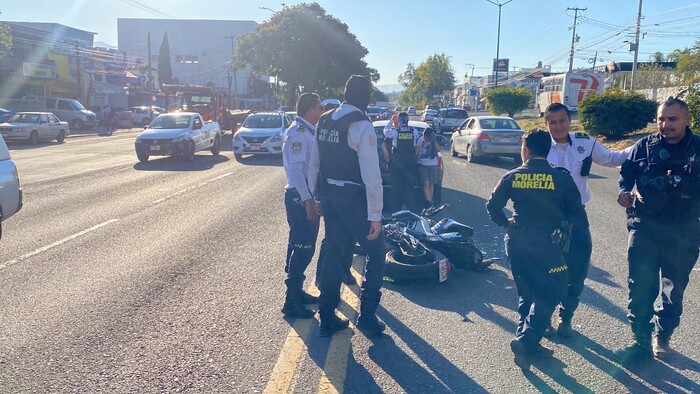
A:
261,160
201,162
26,145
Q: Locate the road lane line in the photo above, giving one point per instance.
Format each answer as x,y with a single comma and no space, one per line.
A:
292,351
189,189
57,243
336,365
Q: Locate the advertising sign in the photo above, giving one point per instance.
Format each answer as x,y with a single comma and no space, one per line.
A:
501,65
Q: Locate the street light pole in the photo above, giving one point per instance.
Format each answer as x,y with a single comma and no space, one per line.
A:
498,40
636,47
235,78
471,81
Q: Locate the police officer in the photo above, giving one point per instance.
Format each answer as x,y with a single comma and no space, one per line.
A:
345,170
545,203
301,214
576,152
402,163
664,232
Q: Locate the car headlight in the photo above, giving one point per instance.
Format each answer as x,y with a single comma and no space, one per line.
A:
276,138
179,139
138,140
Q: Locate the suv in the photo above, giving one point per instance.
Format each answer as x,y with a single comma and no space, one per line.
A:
448,119
436,108
71,111
10,189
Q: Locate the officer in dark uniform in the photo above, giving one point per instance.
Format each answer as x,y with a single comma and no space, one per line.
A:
298,142
664,232
546,203
345,170
402,163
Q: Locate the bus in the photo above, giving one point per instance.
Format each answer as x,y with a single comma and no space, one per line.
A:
569,89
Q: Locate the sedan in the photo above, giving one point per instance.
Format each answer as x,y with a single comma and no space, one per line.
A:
34,126
428,115
484,136
261,133
374,113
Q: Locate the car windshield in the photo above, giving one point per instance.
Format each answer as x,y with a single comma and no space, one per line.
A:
456,113
170,122
491,124
263,121
373,110
76,105
25,118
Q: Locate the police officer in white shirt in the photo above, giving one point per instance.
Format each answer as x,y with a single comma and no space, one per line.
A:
345,175
575,152
299,140
402,161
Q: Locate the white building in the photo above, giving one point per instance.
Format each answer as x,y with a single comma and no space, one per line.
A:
200,50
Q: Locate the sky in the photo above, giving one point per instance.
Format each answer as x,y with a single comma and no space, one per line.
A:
399,32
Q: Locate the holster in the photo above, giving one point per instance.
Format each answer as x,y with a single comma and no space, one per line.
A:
562,235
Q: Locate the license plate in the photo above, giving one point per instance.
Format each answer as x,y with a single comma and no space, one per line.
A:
442,267
255,146
154,147
505,139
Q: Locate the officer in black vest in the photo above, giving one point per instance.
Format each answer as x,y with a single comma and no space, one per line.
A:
546,203
345,170
664,232
402,165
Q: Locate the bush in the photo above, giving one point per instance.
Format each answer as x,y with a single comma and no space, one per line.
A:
692,98
615,113
508,100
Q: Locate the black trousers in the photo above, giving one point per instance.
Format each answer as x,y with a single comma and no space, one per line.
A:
670,248
578,259
541,278
302,241
345,259
345,214
403,179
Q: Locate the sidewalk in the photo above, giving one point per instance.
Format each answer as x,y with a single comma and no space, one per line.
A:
98,130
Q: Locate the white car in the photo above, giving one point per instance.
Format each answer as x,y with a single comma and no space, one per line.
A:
143,115
34,126
178,134
411,110
10,189
428,115
261,133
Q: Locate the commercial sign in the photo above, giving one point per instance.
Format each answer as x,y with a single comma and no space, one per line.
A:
39,70
501,65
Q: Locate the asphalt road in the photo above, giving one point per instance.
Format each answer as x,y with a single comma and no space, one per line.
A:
168,276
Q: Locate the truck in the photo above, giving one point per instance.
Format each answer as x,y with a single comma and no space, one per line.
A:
569,88
200,99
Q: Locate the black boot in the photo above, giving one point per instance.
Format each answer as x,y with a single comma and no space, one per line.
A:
294,308
331,323
370,325
307,298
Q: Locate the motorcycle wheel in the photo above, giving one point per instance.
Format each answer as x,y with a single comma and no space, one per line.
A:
404,268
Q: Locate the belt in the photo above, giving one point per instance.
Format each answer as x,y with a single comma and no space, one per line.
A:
336,182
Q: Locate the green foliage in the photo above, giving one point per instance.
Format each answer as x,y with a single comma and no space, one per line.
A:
5,39
406,77
688,66
508,100
657,57
304,47
378,95
692,98
615,113
432,77
165,69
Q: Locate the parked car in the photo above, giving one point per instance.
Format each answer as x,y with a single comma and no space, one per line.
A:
71,111
428,115
411,110
332,101
5,114
261,133
34,126
178,134
384,164
482,136
143,115
374,113
435,108
449,119
10,188
292,115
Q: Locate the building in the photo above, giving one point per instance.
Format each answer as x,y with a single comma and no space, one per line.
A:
200,50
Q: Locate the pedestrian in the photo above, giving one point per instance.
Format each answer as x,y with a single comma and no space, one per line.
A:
576,152
399,149
546,203
346,177
107,117
426,149
301,213
660,187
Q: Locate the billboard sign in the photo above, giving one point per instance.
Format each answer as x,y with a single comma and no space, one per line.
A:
500,65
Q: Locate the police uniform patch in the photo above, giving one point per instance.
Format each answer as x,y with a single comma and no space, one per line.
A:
296,147
580,149
582,135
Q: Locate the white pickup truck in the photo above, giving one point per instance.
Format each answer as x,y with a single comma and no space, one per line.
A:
178,134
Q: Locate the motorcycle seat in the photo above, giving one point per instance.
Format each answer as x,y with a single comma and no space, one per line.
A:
451,226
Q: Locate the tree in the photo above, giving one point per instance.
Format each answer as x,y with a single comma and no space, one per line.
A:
306,48
692,98
5,39
615,113
688,65
432,77
653,76
165,69
378,95
674,56
406,77
508,100
657,57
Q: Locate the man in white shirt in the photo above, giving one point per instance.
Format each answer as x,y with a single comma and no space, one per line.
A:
427,149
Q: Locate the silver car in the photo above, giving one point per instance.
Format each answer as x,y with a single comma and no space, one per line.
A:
34,126
10,190
482,136
261,133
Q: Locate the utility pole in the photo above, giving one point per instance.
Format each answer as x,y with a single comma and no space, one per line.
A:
150,74
636,47
235,78
498,40
573,36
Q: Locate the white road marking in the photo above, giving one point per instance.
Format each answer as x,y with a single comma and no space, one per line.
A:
57,243
197,186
